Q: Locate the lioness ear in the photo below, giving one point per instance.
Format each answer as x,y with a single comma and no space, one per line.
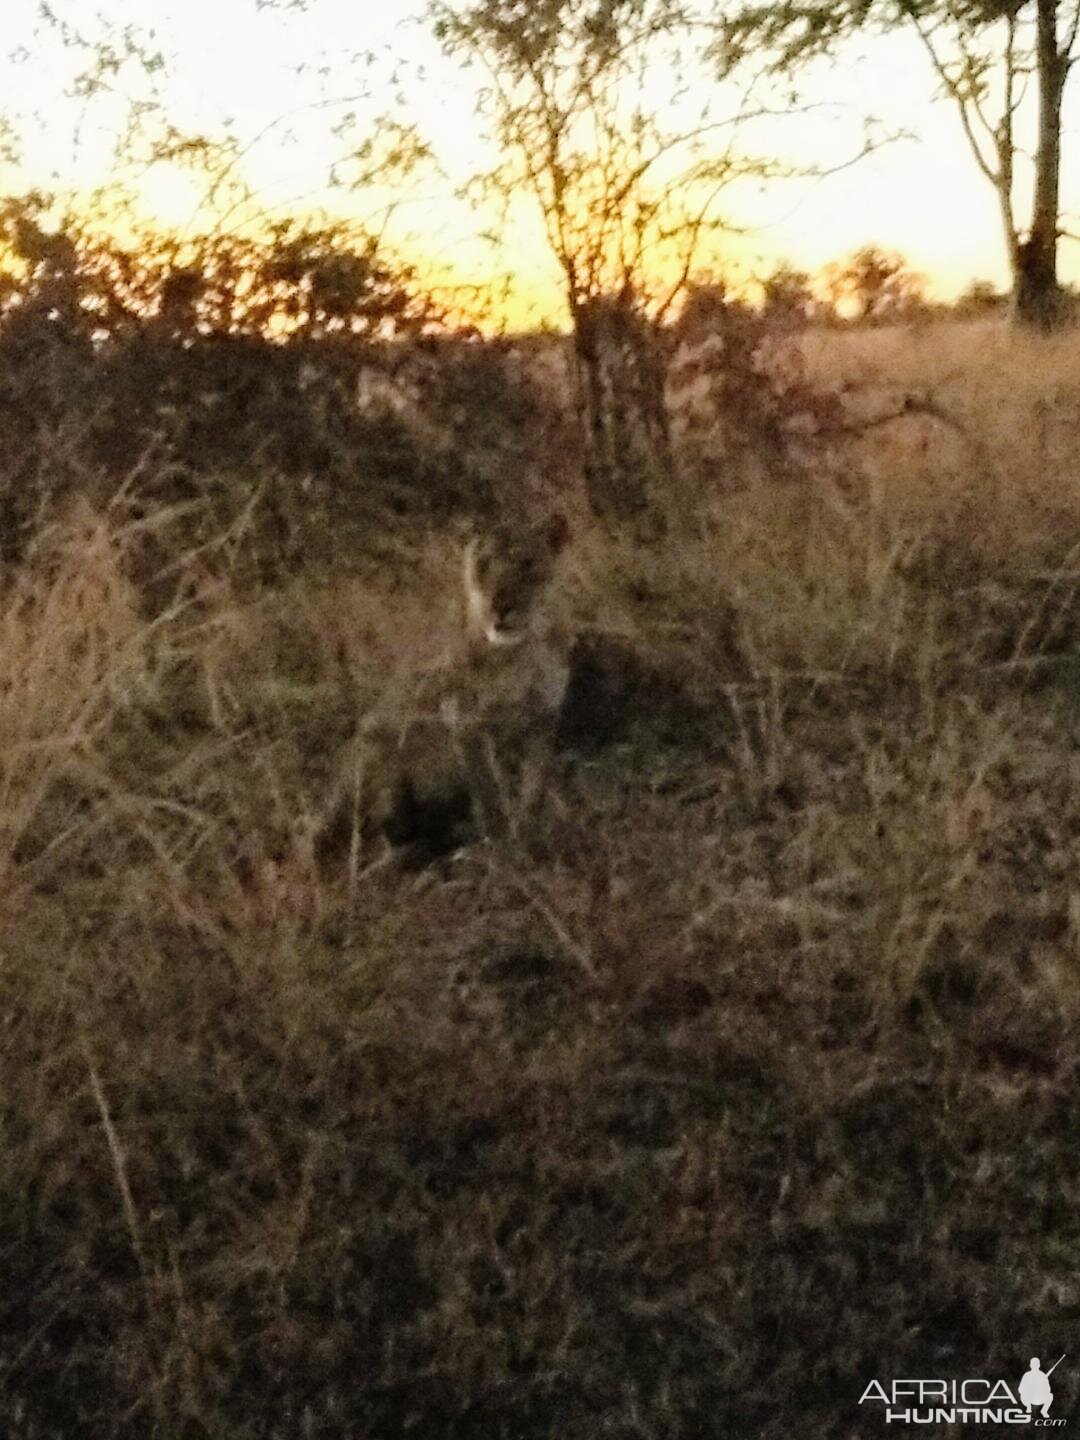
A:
557,531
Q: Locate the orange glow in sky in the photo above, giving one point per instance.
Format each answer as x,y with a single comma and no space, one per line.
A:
229,64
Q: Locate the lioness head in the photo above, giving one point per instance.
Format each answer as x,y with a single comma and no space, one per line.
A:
507,574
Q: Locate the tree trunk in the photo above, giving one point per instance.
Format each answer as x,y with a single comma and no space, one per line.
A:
600,480
615,492
1037,299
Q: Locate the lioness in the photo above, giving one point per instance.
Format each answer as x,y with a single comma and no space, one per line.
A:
469,747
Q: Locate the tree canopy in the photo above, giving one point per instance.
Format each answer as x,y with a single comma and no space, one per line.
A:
984,54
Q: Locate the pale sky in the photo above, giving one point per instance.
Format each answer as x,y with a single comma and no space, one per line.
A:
227,61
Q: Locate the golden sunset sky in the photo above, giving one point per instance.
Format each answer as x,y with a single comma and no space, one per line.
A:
231,64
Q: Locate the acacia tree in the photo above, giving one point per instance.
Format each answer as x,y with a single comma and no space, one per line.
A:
787,296
627,195
984,54
879,285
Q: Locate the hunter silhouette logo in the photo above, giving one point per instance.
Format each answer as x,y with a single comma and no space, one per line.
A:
1035,1389
972,1401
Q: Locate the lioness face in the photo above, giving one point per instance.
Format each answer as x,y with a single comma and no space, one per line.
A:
507,574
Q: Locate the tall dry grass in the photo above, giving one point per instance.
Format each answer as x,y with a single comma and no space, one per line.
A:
755,1078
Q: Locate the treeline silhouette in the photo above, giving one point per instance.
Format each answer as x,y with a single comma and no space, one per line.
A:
225,374
296,396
